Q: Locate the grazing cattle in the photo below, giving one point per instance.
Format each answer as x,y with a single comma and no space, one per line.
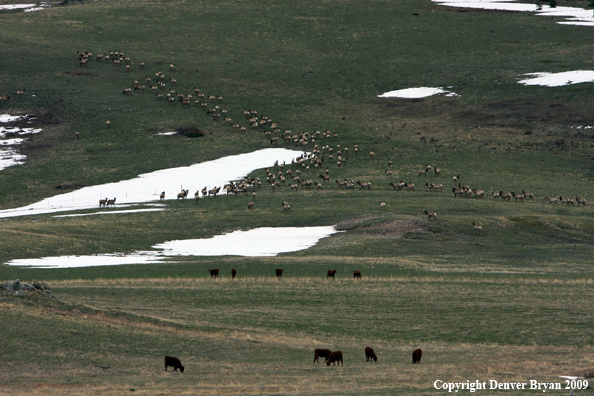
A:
318,353
173,362
416,356
214,273
335,357
331,274
370,354
162,196
357,274
233,273
102,202
279,273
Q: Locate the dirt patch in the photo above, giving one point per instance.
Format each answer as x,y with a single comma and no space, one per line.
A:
392,229
358,220
396,228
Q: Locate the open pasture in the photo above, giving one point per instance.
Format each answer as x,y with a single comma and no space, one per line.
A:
511,303
256,335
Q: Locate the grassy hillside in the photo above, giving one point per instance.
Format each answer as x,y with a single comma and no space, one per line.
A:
511,303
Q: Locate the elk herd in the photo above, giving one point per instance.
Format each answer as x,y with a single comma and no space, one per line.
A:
321,152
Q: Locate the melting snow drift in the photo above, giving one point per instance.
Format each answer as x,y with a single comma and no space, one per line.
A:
148,186
9,155
258,242
573,15
416,93
559,79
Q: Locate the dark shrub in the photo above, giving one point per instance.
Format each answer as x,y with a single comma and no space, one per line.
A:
190,132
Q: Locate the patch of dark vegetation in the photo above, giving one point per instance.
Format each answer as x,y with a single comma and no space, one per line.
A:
419,108
29,147
47,118
191,132
81,73
522,113
67,186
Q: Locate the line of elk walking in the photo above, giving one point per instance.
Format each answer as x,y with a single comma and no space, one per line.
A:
292,174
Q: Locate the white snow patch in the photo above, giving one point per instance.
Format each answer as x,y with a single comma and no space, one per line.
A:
10,156
259,242
16,6
573,15
9,118
559,79
501,5
148,186
86,261
11,142
166,133
25,7
416,93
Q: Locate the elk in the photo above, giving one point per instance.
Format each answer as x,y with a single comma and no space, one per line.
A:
398,186
580,201
431,214
518,197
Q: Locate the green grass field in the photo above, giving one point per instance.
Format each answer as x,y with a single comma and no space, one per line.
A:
511,304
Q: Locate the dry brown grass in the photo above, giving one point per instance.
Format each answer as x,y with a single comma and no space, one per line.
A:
174,282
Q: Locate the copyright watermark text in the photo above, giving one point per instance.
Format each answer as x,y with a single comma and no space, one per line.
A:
473,386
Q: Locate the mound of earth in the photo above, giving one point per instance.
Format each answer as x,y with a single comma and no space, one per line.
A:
21,288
